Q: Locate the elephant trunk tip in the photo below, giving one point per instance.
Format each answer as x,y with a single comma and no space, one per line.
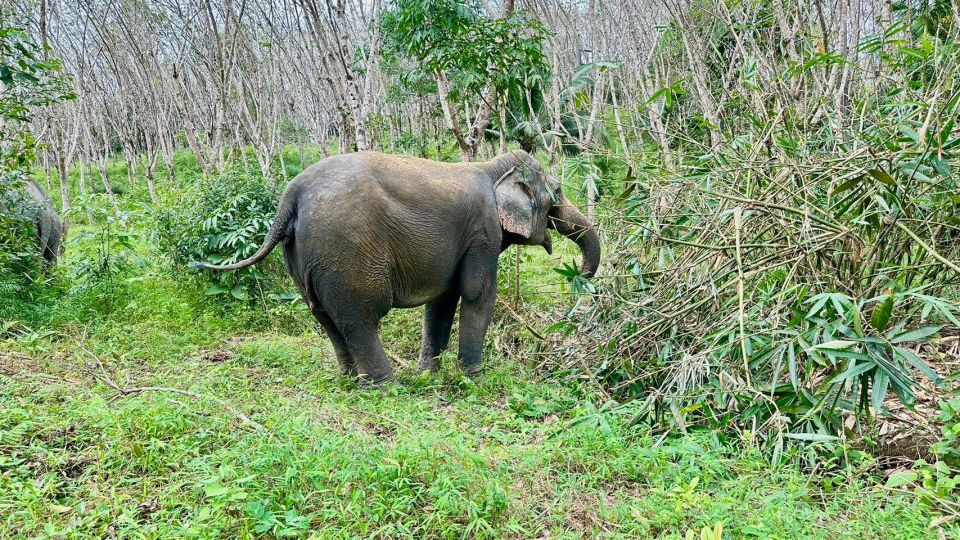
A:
569,222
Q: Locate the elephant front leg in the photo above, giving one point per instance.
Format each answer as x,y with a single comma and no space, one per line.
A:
479,297
437,321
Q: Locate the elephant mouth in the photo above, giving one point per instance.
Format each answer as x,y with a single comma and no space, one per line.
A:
547,244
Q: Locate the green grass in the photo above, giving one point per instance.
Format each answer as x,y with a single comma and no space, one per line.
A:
433,457
514,454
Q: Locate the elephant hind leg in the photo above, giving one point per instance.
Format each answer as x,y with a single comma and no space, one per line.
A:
344,359
363,340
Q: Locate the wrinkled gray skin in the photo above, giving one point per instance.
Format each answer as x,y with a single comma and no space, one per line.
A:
363,233
49,226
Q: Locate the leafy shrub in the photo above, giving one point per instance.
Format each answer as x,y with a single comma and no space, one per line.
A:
948,447
29,81
780,276
222,219
18,248
106,259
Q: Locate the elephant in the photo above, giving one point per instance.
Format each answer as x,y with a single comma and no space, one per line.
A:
49,226
366,232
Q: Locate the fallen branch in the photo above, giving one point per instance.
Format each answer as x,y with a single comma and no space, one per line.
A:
126,391
516,316
927,247
244,419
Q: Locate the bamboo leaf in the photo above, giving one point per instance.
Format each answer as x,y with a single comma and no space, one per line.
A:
880,384
883,177
914,336
880,318
911,358
835,345
855,370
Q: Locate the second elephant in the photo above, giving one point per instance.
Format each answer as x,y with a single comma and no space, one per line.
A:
48,223
363,233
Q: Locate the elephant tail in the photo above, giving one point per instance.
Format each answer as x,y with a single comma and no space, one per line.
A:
282,226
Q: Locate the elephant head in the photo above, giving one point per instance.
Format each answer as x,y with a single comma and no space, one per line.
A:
529,203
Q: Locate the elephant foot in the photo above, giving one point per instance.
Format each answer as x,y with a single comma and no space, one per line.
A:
365,382
430,364
348,371
473,370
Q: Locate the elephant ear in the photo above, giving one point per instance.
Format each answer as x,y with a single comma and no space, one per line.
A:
515,203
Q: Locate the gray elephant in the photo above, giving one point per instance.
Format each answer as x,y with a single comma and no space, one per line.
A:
49,226
363,233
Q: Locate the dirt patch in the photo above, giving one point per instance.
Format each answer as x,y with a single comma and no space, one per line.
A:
905,435
380,431
216,357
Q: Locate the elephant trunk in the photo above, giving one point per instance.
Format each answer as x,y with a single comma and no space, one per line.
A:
568,221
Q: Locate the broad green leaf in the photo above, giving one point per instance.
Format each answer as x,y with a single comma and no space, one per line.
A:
214,290
239,292
911,358
882,177
900,479
918,335
835,345
855,370
880,384
216,489
941,166
812,437
910,133
849,184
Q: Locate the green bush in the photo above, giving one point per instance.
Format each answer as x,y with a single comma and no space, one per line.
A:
107,259
19,255
222,219
29,80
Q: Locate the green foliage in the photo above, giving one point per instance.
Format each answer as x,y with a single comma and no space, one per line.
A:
107,258
222,220
936,484
473,52
453,35
435,457
791,270
948,447
28,81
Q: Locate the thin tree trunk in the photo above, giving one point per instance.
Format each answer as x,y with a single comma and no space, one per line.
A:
618,121
64,188
107,187
84,193
503,124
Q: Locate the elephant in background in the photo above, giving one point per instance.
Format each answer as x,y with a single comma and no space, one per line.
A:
49,226
366,232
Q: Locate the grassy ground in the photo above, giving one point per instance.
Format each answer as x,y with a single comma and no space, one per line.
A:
122,415
433,457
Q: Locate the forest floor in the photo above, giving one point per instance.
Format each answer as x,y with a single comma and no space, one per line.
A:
135,406
133,427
